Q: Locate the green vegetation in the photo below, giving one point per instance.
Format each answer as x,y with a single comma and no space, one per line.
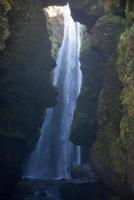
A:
54,46
6,7
84,124
116,105
113,36
25,84
55,29
126,75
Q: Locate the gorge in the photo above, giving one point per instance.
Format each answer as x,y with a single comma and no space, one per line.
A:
104,114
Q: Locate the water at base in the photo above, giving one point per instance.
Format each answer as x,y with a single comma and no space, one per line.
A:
54,154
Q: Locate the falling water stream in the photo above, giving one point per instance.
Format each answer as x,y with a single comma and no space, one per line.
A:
54,154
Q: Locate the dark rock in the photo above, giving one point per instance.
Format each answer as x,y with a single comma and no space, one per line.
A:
86,12
83,171
10,168
85,118
25,87
53,2
83,190
106,156
42,194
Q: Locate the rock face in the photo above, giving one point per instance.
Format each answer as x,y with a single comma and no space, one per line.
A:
83,190
111,155
83,172
85,121
126,75
12,152
25,84
87,12
105,38
22,83
55,27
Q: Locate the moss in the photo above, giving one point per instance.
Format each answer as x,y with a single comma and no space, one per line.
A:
4,32
113,147
130,17
85,43
27,72
54,46
130,5
80,172
84,124
55,29
115,113
111,5
126,75
106,33
5,7
116,7
117,156
109,116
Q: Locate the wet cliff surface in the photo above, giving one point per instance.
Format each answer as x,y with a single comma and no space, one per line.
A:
111,154
25,84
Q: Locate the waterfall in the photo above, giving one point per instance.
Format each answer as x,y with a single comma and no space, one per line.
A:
54,153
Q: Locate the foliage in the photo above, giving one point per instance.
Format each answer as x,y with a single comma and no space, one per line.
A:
25,85
106,34
84,124
55,29
5,7
4,32
126,75
85,43
111,5
54,46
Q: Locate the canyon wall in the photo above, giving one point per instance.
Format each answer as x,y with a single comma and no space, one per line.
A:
26,84
111,155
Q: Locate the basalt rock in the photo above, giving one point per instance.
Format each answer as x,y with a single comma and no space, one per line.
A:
25,86
85,123
111,154
86,12
83,190
10,164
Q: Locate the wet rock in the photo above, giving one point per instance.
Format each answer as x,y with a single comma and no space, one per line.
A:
25,65
83,171
83,190
42,194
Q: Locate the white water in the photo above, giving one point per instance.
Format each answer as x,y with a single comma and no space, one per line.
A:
54,154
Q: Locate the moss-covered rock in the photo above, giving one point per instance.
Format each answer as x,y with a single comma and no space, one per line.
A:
116,7
126,74
112,154
85,122
5,7
82,171
87,12
25,86
106,34
55,27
